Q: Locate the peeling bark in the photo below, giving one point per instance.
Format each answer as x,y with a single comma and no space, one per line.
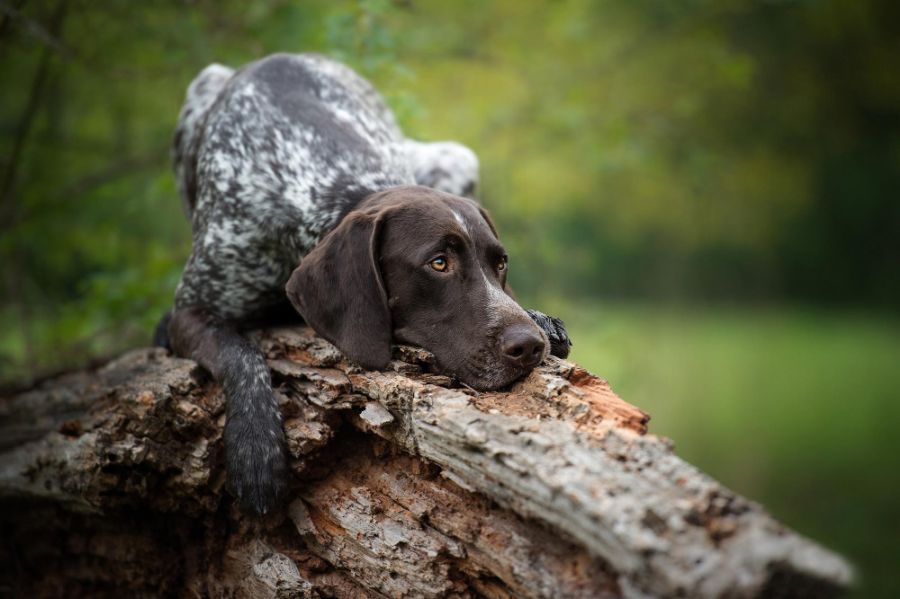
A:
408,485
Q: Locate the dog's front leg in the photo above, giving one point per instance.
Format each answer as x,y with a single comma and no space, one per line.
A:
254,438
556,332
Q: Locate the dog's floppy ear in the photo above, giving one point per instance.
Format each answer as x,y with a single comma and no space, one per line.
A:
339,291
487,219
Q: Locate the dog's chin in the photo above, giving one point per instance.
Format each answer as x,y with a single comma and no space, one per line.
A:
488,377
493,384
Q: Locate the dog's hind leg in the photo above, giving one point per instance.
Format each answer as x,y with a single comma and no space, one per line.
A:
201,95
254,438
443,165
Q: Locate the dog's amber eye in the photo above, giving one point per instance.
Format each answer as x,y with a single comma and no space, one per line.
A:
501,266
439,264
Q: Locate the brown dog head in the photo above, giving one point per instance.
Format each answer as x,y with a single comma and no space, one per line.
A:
425,268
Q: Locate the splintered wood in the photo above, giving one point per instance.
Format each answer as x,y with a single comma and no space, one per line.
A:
408,485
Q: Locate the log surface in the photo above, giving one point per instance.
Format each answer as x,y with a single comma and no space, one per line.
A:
407,485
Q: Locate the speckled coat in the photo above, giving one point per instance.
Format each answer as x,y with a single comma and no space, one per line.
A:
270,157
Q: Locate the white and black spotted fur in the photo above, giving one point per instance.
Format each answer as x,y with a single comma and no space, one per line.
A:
268,159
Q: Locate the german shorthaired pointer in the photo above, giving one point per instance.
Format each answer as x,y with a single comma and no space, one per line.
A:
295,160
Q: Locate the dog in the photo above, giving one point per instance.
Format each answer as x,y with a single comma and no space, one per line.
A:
303,194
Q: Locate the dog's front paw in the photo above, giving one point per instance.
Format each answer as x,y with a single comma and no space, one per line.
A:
556,332
257,463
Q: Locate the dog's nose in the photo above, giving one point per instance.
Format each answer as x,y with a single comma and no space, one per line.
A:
522,345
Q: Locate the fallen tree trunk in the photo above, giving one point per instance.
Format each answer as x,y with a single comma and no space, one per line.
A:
408,485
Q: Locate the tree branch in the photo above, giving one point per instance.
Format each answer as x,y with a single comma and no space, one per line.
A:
409,486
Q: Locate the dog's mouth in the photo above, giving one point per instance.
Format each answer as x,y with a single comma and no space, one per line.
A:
492,381
484,370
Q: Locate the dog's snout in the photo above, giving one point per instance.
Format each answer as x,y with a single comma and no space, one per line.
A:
522,345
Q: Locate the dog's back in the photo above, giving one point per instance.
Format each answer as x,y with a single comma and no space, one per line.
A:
268,159
296,124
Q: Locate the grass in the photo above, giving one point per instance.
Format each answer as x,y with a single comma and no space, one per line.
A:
795,409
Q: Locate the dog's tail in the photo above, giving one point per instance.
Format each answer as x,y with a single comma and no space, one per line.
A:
201,95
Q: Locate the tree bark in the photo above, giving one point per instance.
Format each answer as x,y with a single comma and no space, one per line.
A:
407,485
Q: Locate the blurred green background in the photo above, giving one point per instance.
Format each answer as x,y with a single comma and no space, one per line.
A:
705,191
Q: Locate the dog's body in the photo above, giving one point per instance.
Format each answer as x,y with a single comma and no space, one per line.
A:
295,159
270,158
